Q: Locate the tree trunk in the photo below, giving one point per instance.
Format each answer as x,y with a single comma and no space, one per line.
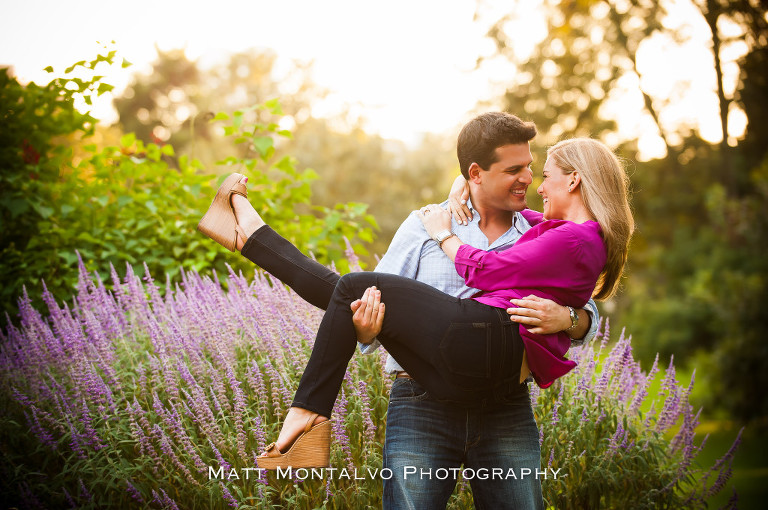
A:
713,13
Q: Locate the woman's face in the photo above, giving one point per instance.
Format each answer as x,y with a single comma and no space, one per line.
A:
554,191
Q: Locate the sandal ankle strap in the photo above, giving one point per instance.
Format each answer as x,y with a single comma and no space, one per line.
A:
240,189
271,449
310,422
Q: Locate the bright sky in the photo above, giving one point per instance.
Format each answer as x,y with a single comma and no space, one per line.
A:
407,66
407,62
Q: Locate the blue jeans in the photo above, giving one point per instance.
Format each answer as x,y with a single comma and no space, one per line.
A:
423,433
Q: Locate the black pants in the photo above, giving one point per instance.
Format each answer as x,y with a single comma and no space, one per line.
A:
460,350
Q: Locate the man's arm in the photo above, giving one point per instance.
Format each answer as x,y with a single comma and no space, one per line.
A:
402,258
543,316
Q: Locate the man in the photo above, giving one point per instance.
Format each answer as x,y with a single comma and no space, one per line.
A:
424,434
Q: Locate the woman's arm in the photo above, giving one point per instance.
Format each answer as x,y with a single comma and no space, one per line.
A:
496,270
531,263
457,201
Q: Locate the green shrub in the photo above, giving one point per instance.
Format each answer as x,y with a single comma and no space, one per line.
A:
134,203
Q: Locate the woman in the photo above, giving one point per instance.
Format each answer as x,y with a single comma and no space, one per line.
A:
464,351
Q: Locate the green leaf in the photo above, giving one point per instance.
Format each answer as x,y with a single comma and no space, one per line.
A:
127,140
86,236
358,208
153,152
332,220
104,87
237,119
274,106
144,223
151,206
220,116
48,69
44,211
262,143
69,258
73,66
16,206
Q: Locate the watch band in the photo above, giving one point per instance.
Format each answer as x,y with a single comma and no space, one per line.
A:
442,236
441,241
574,318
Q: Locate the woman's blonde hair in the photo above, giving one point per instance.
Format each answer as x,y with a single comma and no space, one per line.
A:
604,189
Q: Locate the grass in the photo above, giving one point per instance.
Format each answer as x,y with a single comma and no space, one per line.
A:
750,473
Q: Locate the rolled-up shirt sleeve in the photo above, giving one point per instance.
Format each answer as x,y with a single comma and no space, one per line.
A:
594,317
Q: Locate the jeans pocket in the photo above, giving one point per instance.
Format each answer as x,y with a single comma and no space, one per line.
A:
466,349
406,389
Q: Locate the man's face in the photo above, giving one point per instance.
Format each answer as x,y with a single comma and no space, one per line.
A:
503,185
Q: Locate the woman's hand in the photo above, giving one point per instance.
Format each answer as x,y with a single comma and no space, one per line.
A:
457,201
540,316
435,219
368,315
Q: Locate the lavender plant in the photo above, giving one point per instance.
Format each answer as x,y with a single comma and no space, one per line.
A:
617,446
132,395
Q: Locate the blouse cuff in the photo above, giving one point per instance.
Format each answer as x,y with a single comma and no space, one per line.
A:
467,256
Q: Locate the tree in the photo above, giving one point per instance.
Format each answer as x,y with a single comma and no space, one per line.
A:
589,47
176,100
33,117
698,252
390,177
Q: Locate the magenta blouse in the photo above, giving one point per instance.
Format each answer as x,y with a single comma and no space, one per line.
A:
555,259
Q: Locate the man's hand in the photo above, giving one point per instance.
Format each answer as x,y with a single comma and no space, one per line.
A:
368,315
543,316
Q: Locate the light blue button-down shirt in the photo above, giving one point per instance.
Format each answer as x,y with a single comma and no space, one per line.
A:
414,254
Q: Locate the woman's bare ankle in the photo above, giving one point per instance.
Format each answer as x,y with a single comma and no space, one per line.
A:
294,424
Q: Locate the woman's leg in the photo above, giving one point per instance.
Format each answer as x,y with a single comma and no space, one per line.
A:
267,249
459,350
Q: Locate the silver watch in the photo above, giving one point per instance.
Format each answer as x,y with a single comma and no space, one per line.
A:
442,236
574,318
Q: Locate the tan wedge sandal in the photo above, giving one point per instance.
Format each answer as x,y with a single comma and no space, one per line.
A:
219,222
311,449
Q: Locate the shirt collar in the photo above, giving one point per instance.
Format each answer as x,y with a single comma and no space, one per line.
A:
518,222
